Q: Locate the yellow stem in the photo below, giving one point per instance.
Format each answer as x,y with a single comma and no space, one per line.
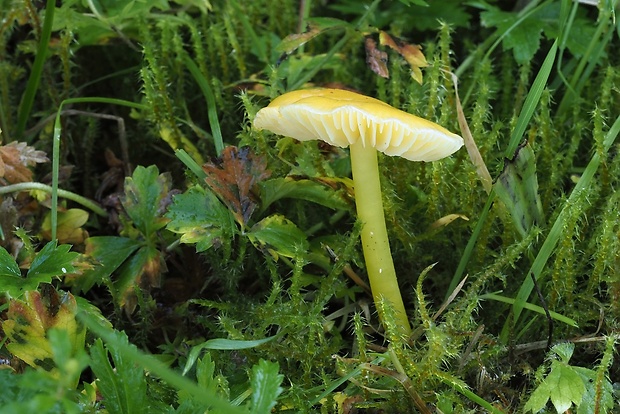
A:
375,242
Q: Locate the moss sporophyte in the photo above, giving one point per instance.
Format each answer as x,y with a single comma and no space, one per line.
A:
366,125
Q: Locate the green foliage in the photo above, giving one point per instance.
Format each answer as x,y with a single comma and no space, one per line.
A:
272,283
51,261
567,385
120,381
265,381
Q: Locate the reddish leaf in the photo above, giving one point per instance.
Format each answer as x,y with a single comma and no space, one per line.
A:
376,59
234,178
412,53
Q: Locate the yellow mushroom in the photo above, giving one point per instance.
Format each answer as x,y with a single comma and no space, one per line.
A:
365,125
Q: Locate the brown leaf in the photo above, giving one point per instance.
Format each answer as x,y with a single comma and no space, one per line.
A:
234,178
15,158
376,59
412,53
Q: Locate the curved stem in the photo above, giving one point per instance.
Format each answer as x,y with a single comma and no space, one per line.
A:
375,243
62,193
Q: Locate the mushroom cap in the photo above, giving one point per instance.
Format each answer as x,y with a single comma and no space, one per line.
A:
341,118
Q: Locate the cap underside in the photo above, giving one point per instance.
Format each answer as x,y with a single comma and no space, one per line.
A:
342,118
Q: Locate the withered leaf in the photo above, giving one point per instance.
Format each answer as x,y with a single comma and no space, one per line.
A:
315,27
376,59
15,158
411,53
234,177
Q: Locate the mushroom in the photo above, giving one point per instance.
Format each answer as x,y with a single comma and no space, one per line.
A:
366,125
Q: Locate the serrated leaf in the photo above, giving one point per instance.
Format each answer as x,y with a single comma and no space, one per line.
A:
524,38
8,265
52,261
11,280
109,253
120,381
29,320
146,199
234,177
595,400
564,386
201,219
265,381
278,236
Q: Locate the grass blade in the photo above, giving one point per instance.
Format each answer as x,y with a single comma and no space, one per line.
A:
211,108
37,68
554,234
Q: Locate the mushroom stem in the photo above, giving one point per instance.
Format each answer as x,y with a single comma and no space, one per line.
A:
375,242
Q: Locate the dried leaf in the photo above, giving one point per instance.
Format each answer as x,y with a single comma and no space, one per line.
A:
412,54
315,27
15,158
376,59
234,178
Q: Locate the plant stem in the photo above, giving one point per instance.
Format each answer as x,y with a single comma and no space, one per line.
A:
375,242
62,193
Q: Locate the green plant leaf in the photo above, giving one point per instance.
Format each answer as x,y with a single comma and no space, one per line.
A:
265,381
278,235
517,187
142,269
564,386
110,253
328,192
201,219
121,382
523,39
10,276
595,400
52,261
222,344
146,196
